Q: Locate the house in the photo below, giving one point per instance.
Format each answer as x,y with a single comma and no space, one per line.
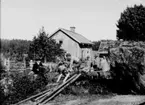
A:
73,43
106,45
103,48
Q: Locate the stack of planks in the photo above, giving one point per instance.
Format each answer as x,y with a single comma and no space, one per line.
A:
47,95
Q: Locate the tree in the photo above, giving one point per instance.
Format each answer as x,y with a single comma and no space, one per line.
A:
15,49
131,25
44,48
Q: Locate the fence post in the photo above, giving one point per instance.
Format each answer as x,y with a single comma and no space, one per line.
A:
8,64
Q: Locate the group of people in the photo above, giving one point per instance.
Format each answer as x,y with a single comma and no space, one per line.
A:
72,64
101,63
68,65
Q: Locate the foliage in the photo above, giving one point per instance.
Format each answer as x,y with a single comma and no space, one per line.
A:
22,88
1,67
88,84
44,48
14,48
127,65
1,95
131,25
1,72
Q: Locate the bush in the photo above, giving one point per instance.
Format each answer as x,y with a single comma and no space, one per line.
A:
1,95
22,88
87,84
1,72
128,67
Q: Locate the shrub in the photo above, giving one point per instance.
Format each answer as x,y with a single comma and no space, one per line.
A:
22,88
1,95
87,84
128,67
1,72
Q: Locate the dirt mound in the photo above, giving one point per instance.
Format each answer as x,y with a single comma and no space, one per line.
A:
128,67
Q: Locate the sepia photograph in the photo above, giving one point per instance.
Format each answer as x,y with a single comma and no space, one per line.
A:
72,52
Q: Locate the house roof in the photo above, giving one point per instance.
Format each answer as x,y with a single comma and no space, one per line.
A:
75,36
105,45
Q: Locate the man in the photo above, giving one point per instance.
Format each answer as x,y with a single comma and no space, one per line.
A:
105,66
35,68
88,64
67,66
71,61
31,64
42,72
39,70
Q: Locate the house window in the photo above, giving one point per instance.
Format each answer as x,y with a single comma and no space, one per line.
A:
60,41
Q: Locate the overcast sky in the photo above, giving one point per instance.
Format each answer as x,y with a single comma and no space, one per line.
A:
94,19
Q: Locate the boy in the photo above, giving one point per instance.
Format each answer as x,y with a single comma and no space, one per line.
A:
67,66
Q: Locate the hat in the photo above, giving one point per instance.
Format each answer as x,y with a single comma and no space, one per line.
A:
68,54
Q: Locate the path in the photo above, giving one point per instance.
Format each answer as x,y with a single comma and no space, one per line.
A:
115,100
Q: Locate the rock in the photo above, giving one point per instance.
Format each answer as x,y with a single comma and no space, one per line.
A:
128,67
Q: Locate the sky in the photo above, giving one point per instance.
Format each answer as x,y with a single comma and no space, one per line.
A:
94,19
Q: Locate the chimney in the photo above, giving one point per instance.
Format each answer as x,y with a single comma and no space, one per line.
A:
72,29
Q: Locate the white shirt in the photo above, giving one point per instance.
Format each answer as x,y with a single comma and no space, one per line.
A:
104,65
97,62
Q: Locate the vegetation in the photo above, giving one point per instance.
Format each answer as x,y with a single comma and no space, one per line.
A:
1,67
24,85
44,48
127,66
41,47
131,25
1,72
15,49
21,88
89,84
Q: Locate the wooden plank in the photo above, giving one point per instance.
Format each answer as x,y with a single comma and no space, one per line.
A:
34,96
62,88
62,85
55,94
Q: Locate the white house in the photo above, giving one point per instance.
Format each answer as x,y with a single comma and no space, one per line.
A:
73,43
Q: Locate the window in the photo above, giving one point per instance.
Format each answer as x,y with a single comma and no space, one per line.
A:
60,41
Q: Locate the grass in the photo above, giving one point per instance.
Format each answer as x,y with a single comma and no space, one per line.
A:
23,86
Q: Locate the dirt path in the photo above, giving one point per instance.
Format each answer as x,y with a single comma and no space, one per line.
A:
98,100
120,100
95,100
